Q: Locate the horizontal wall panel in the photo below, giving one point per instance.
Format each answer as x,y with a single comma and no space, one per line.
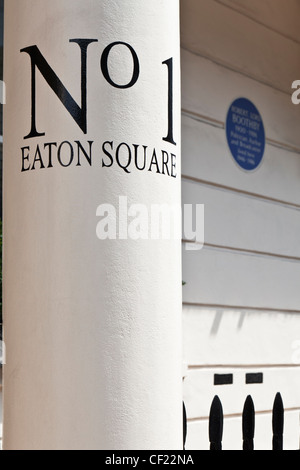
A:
209,89
199,390
214,31
235,220
283,18
239,337
206,156
225,278
197,438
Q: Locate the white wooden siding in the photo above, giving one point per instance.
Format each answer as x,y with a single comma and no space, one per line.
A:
208,89
270,13
241,310
206,158
224,277
237,337
246,223
201,383
236,42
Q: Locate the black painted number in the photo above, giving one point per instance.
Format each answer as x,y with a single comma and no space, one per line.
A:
170,136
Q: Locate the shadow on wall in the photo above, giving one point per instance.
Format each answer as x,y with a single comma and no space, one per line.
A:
218,320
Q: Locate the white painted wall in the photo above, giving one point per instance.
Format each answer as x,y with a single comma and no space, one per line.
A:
241,299
92,327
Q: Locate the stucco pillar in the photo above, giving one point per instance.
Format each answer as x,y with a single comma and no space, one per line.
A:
92,125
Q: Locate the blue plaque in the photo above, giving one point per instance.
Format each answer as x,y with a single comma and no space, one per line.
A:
245,134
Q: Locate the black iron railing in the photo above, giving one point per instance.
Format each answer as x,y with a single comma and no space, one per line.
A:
216,421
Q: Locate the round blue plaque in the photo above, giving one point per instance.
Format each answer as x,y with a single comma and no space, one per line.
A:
245,134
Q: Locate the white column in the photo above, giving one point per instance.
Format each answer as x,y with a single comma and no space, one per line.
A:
92,327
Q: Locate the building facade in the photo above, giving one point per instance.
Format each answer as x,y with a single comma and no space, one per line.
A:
241,300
